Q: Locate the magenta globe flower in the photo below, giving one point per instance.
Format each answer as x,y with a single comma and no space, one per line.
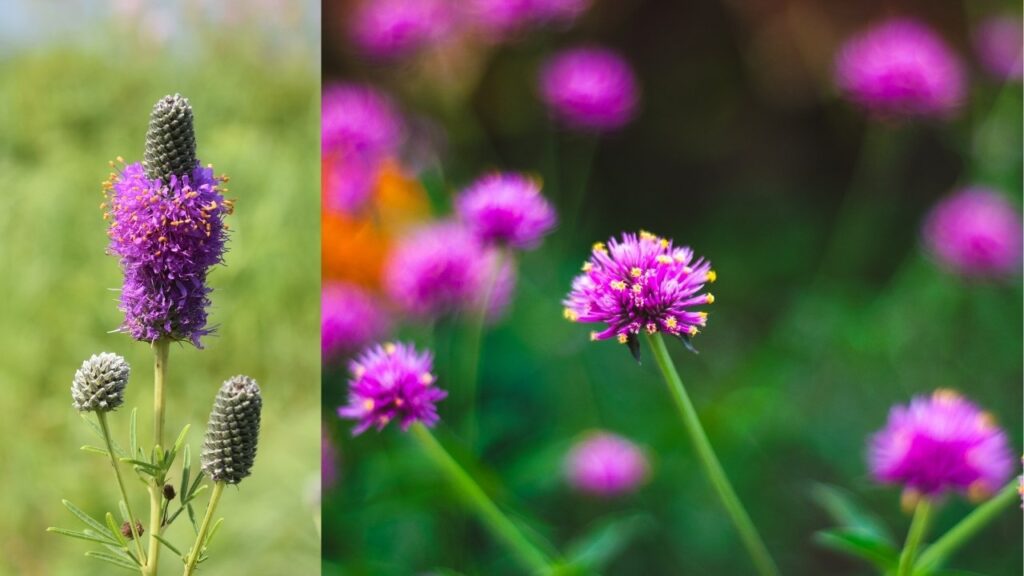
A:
506,208
901,68
975,232
605,464
998,43
590,88
350,318
397,28
392,382
167,235
941,443
641,283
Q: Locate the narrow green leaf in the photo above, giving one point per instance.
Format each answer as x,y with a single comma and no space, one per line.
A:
90,521
141,464
186,470
602,543
212,532
181,438
90,536
861,544
168,544
99,433
192,517
848,513
94,450
133,433
123,509
111,559
115,530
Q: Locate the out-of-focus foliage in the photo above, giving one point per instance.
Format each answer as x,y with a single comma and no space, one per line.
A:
827,310
68,104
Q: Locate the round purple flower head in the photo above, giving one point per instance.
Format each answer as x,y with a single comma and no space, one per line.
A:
641,283
506,208
350,318
167,229
901,68
941,443
396,28
606,464
438,269
975,232
997,41
589,88
392,382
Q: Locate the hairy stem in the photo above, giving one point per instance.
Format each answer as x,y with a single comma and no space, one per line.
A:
918,528
102,417
499,524
160,350
740,519
958,535
193,556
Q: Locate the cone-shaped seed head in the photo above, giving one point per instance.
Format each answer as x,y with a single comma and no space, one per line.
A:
230,445
171,139
99,384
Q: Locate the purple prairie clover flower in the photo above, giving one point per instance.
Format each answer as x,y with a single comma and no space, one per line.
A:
641,283
605,464
589,88
975,232
998,43
901,68
167,235
350,318
396,28
941,443
507,208
392,382
438,269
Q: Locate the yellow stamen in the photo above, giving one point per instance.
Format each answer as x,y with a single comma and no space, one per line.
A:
368,404
945,395
427,378
637,288
664,243
389,348
587,267
622,338
703,317
593,336
712,276
652,327
693,330
398,402
599,247
710,298
570,315
618,285
671,323
664,259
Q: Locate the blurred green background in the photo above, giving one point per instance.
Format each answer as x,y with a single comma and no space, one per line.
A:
827,311
77,82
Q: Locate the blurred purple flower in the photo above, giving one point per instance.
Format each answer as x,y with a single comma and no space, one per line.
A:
438,269
359,127
499,19
396,28
559,11
940,443
506,208
589,88
998,42
392,382
497,287
350,318
167,236
606,464
640,283
975,232
901,68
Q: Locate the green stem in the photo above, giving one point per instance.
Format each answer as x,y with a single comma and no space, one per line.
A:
499,524
102,417
971,524
740,519
918,528
474,347
193,556
160,351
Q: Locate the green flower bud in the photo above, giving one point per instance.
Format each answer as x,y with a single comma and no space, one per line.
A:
99,384
171,139
230,444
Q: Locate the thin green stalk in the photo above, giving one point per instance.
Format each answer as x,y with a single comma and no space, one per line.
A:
918,528
474,348
740,519
532,558
193,556
102,417
958,535
160,351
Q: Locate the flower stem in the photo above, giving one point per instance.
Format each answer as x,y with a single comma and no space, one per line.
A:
474,348
102,417
503,528
918,528
193,557
740,519
160,351
967,528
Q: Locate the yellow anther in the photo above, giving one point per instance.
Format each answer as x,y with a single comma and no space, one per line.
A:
389,348
703,317
368,404
637,288
570,315
664,243
622,338
986,420
710,298
679,257
636,272
945,395
593,336
693,330
652,327
399,402
712,276
587,267
358,370
645,235
427,378
599,247
687,269
618,285
664,259
671,323
120,159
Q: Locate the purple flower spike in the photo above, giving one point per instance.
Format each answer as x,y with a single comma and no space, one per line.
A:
392,382
508,209
641,283
975,232
605,464
901,68
350,318
167,235
997,41
396,28
941,443
590,89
